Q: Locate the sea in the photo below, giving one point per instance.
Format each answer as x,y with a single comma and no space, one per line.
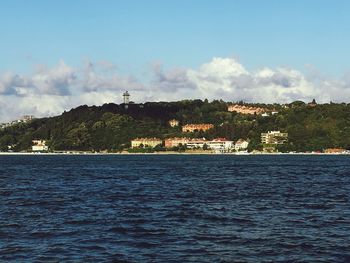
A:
174,208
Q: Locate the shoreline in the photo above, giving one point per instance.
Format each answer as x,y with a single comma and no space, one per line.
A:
161,153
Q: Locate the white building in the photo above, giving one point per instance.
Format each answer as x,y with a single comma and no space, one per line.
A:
241,145
196,143
174,123
274,137
126,97
220,145
39,146
145,142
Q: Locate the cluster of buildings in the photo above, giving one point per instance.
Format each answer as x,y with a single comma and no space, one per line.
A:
269,140
219,144
23,119
197,127
243,109
191,127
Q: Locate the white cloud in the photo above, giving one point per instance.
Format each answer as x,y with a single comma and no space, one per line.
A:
49,91
55,81
227,79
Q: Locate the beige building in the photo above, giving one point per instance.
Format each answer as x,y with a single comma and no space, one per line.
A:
274,137
174,123
39,146
145,142
245,109
334,150
196,127
172,142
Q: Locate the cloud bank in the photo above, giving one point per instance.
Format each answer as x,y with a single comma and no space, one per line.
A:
50,91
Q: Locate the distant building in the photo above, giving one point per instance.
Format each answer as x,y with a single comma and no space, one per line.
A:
196,127
220,144
313,103
241,145
274,137
266,114
27,118
145,142
23,119
126,97
334,150
174,142
174,123
39,146
245,109
196,143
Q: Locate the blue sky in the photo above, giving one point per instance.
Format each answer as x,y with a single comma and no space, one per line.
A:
134,34
57,55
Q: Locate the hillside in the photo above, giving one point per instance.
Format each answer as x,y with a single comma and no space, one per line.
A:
111,126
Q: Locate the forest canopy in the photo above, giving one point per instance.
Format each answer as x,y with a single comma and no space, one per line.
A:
111,127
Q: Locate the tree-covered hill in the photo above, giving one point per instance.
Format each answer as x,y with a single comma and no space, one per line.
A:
111,127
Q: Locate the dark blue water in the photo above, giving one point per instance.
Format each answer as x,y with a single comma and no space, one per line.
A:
175,208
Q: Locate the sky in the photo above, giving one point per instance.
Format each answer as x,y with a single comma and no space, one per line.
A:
57,55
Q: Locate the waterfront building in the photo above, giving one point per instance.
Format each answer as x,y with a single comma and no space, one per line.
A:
220,145
196,143
241,145
334,150
173,142
174,123
196,127
39,146
145,142
274,137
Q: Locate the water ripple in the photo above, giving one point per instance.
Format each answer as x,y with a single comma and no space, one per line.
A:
174,209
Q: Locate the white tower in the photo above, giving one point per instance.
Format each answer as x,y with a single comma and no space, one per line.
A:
126,97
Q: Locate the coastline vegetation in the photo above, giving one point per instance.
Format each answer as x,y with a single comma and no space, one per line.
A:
111,127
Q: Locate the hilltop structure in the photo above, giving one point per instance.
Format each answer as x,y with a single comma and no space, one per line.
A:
196,127
126,97
23,119
246,109
313,103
